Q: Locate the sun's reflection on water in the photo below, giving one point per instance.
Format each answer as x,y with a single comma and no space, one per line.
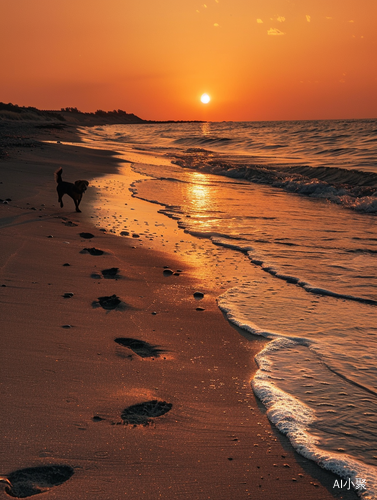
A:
199,193
205,127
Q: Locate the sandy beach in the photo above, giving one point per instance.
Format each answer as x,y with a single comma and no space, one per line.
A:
67,385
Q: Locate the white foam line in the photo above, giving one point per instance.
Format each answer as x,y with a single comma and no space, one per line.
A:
292,417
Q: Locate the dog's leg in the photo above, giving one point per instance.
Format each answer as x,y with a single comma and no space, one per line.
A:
77,203
60,196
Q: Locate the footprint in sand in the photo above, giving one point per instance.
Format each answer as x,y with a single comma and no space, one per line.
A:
142,413
111,273
25,483
141,348
109,302
169,272
86,236
69,223
96,276
92,251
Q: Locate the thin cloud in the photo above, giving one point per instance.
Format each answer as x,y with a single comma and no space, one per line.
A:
281,19
275,32
308,18
217,25
259,21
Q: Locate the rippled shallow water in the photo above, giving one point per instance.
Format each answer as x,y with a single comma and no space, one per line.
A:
296,204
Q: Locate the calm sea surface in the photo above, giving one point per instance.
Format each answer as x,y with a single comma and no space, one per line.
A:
285,214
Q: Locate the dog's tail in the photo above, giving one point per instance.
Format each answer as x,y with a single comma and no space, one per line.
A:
58,175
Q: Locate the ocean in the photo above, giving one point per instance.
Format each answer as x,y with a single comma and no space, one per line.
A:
282,216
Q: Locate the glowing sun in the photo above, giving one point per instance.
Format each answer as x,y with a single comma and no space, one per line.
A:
205,98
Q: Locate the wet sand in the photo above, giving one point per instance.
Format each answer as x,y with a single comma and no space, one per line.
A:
112,370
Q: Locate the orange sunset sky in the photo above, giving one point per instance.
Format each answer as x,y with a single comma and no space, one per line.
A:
257,59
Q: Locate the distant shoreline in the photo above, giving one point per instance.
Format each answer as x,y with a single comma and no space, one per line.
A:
26,127
69,116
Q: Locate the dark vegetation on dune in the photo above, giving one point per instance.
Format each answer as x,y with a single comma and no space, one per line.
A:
71,115
26,126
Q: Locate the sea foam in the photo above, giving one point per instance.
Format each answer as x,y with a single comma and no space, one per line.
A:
292,418
289,414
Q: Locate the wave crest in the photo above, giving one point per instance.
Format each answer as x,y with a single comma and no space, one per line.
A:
352,189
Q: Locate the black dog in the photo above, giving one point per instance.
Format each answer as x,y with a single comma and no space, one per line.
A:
75,191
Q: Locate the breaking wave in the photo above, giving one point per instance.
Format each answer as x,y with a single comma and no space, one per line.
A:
352,189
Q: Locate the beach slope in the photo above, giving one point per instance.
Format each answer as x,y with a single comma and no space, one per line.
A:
116,381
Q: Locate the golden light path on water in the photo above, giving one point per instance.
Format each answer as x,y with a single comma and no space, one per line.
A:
199,192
